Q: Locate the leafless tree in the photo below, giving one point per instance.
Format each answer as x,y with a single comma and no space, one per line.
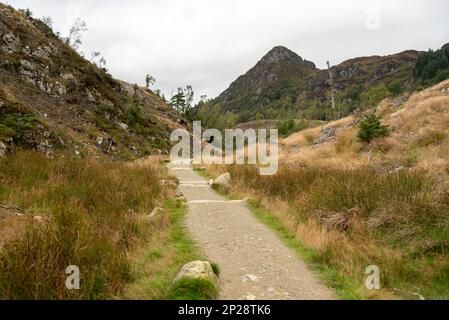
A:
48,20
75,34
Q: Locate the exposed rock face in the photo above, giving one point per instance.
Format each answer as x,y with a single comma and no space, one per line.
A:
51,91
198,270
350,72
277,65
281,54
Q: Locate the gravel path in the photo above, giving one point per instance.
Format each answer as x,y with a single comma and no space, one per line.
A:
254,262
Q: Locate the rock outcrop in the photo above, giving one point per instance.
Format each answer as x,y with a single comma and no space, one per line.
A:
54,101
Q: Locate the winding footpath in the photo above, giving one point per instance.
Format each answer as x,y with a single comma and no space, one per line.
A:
254,262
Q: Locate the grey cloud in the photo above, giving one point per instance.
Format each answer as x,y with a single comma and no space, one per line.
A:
208,43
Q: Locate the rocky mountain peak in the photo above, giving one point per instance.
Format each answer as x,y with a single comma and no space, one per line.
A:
281,54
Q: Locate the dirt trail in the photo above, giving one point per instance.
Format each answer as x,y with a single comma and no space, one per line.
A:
254,262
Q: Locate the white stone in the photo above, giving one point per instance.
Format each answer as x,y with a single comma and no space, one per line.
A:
223,180
198,270
252,277
2,149
124,126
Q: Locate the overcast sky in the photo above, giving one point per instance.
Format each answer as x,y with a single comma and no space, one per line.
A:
208,43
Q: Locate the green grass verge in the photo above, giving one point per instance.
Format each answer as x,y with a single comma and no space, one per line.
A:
193,289
202,173
158,267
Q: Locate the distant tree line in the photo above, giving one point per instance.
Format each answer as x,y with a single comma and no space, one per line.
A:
433,66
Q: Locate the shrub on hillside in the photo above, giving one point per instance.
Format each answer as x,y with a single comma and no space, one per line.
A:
287,127
371,128
395,87
375,95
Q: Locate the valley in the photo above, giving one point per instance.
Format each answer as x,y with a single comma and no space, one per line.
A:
87,177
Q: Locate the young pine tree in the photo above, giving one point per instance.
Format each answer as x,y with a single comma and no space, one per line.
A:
371,128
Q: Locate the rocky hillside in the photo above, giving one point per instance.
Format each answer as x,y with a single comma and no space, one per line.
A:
280,74
283,83
365,71
55,101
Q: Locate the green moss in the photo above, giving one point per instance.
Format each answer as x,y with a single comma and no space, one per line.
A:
13,125
193,289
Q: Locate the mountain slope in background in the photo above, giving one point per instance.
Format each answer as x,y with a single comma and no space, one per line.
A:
279,68
55,101
283,82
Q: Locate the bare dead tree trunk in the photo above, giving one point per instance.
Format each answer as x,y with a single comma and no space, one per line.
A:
331,78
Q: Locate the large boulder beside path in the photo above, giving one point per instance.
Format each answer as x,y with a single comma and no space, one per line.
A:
198,270
223,180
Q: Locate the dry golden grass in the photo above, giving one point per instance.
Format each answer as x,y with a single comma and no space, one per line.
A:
354,216
419,137
94,214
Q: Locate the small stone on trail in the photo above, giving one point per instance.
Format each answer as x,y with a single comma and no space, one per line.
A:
251,277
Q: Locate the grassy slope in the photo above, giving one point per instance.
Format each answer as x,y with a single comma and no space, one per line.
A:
96,228
351,215
93,104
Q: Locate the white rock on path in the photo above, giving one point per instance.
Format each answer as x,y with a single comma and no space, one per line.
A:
198,270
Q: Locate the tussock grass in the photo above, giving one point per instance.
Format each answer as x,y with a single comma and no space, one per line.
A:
351,219
93,216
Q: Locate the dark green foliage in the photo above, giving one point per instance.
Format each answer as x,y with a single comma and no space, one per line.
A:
182,101
395,87
374,95
287,127
317,110
216,269
210,116
12,125
371,128
432,66
134,114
